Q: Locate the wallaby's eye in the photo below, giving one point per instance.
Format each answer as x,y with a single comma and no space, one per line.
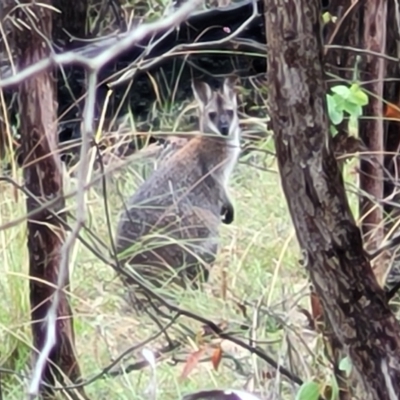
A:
212,115
230,113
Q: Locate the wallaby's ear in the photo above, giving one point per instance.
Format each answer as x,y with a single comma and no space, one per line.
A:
202,92
228,88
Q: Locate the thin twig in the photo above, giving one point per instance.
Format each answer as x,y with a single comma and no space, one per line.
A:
180,312
107,371
220,332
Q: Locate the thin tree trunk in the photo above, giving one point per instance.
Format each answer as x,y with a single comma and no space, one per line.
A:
374,20
43,178
340,62
331,242
392,144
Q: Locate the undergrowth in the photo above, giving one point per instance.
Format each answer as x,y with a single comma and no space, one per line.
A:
257,281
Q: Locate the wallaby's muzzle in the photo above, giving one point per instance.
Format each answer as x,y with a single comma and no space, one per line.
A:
223,125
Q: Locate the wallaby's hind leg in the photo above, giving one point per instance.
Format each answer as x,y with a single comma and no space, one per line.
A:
227,213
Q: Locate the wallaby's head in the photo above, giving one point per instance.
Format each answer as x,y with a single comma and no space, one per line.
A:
218,109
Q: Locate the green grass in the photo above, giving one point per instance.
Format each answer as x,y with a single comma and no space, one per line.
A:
259,255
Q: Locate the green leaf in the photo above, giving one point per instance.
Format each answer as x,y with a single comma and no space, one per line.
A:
330,101
333,130
358,96
355,87
342,90
334,388
339,100
326,17
335,114
336,117
354,110
345,365
308,391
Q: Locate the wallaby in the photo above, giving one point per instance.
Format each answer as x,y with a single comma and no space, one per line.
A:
171,145
172,221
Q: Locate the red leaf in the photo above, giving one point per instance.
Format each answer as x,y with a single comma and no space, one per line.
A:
316,307
392,111
216,358
191,363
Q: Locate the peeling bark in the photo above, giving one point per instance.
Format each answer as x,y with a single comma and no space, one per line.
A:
313,186
43,178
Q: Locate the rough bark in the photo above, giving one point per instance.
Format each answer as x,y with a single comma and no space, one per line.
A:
43,178
374,19
313,186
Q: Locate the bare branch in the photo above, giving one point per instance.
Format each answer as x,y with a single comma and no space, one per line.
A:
182,48
117,46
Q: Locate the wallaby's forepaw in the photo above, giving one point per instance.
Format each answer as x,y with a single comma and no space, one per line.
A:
227,214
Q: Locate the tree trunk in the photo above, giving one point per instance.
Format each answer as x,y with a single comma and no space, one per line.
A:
392,144
331,242
340,62
43,178
374,18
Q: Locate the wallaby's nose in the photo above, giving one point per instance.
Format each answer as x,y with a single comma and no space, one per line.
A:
224,130
223,125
